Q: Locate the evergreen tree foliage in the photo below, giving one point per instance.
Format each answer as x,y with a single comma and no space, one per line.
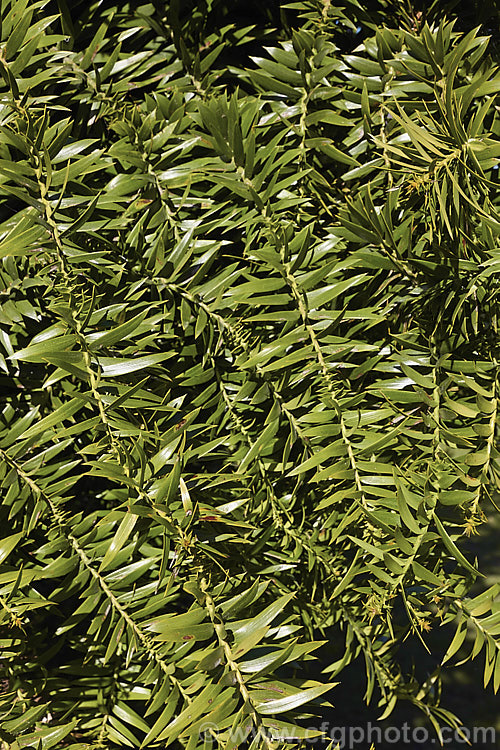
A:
249,363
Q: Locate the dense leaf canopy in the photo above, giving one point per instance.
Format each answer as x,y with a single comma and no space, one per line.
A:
248,360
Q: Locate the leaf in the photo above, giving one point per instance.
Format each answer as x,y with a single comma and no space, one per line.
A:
26,720
280,705
45,738
65,411
245,628
164,718
197,706
243,600
254,666
184,627
457,641
37,352
8,544
113,366
118,334
18,34
284,730
404,509
453,549
248,642
120,538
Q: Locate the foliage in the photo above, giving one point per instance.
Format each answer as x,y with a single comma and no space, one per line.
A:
249,363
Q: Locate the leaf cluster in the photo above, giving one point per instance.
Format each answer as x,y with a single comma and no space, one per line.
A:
249,366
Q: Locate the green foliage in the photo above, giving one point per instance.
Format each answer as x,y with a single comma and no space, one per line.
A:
249,364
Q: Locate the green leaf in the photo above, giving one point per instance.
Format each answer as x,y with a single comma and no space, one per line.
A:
200,704
457,641
113,366
45,738
120,538
184,627
121,332
65,411
245,628
280,705
8,544
453,549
